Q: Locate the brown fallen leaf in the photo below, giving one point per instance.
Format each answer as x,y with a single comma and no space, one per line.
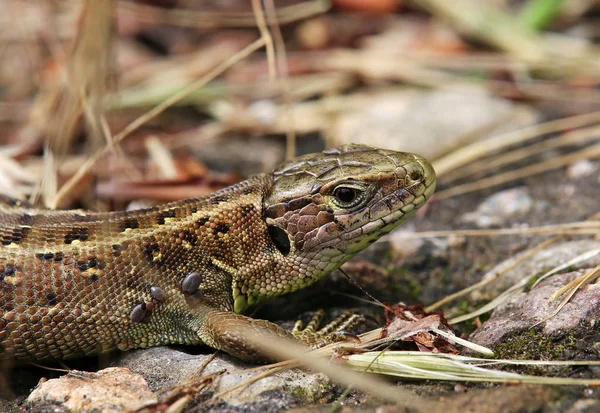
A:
413,324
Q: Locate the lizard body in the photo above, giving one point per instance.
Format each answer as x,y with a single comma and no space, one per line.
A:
75,283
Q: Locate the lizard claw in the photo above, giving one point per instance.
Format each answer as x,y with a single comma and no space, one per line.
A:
333,332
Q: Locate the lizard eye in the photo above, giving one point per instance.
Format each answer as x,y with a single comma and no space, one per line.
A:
346,196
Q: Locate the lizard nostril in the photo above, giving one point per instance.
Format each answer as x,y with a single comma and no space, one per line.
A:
415,176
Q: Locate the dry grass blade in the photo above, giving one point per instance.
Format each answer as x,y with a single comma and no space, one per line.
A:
298,357
577,260
432,366
282,68
79,90
502,298
266,35
86,77
465,343
402,364
587,153
161,157
574,285
207,19
493,276
477,150
519,154
157,110
49,183
302,87
570,228
571,288
284,349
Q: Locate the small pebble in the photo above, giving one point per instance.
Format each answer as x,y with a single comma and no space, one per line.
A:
501,207
459,388
581,169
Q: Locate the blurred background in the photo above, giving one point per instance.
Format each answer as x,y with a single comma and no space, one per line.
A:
106,102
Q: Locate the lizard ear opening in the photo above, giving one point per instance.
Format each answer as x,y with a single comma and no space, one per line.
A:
280,239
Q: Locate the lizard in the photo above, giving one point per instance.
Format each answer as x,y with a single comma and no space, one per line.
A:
77,283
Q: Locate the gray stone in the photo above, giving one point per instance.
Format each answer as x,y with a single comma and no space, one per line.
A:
165,367
429,123
526,310
500,208
112,390
582,169
541,262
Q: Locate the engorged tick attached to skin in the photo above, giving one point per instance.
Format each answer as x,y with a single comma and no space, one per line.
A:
73,283
138,313
157,293
191,283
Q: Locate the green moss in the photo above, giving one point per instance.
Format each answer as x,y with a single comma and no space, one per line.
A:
533,345
300,393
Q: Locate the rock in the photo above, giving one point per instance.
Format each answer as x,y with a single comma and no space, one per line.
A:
114,389
406,247
523,326
505,399
429,123
541,262
585,406
500,208
246,156
581,169
165,367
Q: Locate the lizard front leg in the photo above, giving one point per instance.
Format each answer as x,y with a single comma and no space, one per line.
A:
228,331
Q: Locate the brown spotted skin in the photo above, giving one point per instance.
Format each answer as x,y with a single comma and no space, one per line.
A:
74,283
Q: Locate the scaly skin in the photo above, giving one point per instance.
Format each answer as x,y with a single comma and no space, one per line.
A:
76,283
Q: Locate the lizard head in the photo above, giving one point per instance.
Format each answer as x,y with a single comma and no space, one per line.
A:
324,208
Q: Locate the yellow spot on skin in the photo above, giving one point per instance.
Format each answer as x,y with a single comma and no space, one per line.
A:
9,280
92,271
169,219
75,242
